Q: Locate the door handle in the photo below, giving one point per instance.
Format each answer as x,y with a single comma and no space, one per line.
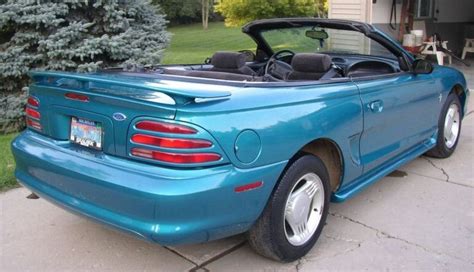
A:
376,106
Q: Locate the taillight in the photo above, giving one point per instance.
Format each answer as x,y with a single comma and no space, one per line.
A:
170,142
185,148
78,97
185,158
33,116
34,102
164,127
32,113
33,124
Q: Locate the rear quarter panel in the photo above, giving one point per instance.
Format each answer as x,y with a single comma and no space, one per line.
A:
285,120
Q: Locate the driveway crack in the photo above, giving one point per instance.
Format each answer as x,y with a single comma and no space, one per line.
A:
430,161
357,245
440,179
445,173
300,263
342,239
182,256
218,256
382,234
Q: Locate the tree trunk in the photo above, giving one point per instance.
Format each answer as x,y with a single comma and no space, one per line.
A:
205,13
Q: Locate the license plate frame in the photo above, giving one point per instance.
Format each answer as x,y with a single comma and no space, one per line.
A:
86,133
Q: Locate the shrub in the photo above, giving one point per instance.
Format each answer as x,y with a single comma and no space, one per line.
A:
188,11
181,11
239,12
76,35
12,111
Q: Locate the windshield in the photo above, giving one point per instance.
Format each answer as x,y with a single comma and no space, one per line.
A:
319,40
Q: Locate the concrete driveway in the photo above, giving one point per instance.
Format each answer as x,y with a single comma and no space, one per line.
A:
420,217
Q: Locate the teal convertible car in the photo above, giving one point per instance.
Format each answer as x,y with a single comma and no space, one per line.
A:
252,141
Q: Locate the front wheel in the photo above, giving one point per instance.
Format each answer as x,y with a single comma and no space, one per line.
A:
449,128
296,212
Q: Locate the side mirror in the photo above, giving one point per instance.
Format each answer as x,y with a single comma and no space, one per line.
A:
421,66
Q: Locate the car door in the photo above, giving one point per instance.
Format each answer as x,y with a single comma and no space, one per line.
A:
400,112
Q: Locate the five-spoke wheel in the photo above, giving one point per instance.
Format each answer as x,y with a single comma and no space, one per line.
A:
449,128
452,125
295,214
304,209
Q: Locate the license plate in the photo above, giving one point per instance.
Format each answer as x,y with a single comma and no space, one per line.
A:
86,133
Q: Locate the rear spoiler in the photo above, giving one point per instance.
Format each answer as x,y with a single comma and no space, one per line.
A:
180,92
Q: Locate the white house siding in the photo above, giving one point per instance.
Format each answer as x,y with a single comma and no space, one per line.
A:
356,10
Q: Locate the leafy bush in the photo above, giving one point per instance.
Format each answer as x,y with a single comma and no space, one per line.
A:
76,35
189,11
181,11
239,12
12,111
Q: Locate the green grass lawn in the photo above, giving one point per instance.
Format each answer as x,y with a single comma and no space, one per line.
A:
190,44
7,165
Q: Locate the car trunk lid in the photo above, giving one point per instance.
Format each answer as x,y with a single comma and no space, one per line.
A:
110,101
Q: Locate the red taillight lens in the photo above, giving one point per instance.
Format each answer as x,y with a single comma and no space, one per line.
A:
174,157
33,113
170,142
165,127
34,102
78,97
33,124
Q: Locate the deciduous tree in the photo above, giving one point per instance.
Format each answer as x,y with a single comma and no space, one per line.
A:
181,11
239,12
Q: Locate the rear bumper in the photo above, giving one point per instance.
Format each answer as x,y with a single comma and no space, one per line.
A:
163,205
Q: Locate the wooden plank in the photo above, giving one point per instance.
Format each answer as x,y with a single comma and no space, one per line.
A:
346,6
350,48
358,2
347,17
347,11
345,36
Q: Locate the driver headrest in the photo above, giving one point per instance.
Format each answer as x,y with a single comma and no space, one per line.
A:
228,60
311,63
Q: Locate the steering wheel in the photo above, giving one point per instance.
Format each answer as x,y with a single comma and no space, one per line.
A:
276,67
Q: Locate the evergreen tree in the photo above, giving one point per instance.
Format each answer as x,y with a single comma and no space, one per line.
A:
72,35
77,35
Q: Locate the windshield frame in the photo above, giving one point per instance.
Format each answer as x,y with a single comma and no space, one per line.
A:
295,40
255,29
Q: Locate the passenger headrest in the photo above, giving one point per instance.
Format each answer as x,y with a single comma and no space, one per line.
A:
311,63
228,60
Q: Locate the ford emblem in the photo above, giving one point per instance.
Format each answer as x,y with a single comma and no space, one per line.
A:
119,116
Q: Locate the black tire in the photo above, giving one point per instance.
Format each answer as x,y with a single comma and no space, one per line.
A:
441,150
267,236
